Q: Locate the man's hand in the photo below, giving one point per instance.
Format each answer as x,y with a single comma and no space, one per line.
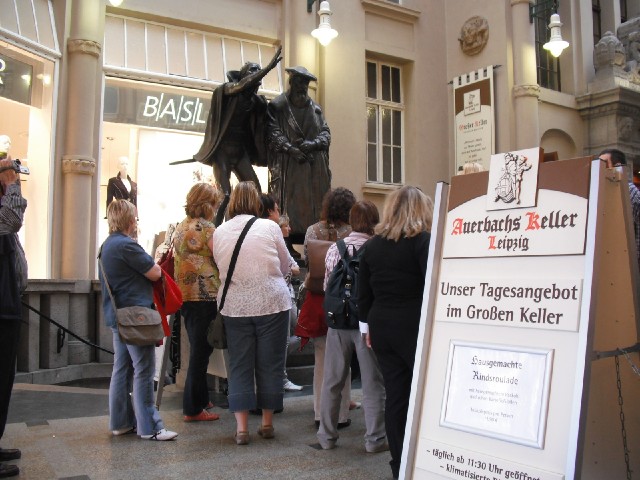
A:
9,176
308,146
276,58
297,155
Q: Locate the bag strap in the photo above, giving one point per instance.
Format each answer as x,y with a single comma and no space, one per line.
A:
343,249
234,258
106,282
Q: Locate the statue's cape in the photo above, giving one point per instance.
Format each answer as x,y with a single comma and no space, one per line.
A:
220,113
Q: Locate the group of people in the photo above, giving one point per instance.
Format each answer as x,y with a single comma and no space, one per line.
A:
246,261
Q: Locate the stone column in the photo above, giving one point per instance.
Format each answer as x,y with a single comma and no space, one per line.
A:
526,90
84,47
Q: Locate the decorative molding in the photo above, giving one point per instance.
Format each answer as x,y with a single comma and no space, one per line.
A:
474,35
78,45
391,10
526,91
518,2
78,164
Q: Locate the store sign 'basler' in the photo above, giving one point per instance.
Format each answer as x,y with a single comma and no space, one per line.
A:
515,217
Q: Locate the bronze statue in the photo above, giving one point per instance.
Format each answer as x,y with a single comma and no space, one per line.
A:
234,137
298,140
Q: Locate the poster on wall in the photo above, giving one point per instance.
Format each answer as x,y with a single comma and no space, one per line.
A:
474,117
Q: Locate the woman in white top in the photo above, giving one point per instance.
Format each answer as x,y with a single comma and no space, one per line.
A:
255,310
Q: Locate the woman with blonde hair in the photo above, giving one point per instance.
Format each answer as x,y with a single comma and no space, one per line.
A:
255,309
129,271
391,283
197,276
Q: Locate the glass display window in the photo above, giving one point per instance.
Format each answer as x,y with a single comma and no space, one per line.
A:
26,103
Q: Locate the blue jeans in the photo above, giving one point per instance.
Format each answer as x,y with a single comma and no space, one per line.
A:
197,316
256,351
133,368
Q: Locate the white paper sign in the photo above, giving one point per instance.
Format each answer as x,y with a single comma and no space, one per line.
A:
510,302
497,391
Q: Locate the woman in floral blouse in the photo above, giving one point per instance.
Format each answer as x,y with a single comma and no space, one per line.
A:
197,276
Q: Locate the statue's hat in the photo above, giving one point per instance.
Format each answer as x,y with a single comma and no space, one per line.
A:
303,72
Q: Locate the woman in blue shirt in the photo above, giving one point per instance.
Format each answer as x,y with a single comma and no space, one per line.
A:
129,271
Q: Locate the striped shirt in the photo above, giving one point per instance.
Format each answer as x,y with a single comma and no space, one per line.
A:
12,207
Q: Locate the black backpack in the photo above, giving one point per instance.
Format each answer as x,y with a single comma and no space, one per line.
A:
341,295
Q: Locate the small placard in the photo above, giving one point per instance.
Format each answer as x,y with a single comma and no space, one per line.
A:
513,179
497,391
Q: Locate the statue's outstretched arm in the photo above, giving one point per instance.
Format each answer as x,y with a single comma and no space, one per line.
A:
250,81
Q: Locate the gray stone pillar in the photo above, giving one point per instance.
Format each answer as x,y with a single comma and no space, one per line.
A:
84,47
526,90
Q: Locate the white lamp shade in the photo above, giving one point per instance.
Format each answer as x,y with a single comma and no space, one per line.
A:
556,44
116,3
324,33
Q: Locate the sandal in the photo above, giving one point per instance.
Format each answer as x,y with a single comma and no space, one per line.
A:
266,431
242,438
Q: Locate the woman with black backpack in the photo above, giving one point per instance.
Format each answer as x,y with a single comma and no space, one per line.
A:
343,336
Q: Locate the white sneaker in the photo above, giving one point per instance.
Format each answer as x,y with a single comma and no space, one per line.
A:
289,386
161,435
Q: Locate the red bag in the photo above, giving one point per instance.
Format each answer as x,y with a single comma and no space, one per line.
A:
166,262
167,298
311,320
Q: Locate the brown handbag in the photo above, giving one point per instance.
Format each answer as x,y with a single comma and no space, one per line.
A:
316,253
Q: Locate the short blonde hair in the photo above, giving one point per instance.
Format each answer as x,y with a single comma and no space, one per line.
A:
245,200
407,212
284,220
120,214
472,167
202,200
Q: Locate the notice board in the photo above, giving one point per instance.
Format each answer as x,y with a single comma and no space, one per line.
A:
526,283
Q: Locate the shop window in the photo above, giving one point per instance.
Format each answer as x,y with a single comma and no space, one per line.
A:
385,123
548,66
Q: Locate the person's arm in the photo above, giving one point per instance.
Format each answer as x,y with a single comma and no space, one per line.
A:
12,204
154,273
422,252
365,296
250,81
281,247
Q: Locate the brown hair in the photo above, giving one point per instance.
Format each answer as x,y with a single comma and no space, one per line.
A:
363,217
245,200
120,214
202,200
336,205
407,212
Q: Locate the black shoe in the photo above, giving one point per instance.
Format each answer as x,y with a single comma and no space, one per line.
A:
317,423
8,470
9,454
342,425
